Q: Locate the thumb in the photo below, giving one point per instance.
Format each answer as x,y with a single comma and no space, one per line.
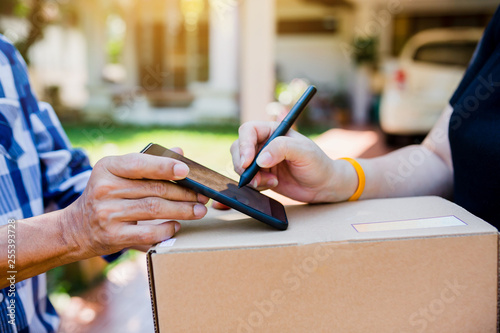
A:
284,148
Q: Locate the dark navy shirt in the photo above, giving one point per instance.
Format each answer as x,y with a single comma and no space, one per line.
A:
474,130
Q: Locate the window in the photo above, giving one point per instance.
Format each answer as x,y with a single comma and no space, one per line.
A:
456,53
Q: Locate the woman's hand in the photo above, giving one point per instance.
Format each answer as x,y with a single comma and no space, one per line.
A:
291,165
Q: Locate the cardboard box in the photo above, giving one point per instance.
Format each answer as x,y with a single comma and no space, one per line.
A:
338,268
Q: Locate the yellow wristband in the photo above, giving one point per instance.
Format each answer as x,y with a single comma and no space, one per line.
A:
361,178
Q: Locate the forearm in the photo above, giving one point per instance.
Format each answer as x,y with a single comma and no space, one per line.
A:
40,244
411,171
424,169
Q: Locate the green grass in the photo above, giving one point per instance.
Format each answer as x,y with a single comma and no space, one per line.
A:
207,145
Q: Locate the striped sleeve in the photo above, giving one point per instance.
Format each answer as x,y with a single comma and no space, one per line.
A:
65,170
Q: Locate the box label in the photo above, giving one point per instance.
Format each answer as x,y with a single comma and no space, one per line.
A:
168,243
435,222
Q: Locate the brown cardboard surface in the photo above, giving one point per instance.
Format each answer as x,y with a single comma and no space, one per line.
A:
225,275
323,223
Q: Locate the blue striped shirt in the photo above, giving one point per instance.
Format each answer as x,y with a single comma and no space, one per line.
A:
38,170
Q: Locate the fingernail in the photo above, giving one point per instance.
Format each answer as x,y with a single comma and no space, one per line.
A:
181,170
254,183
177,227
199,210
264,160
272,183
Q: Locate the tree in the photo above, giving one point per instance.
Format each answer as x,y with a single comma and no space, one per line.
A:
36,17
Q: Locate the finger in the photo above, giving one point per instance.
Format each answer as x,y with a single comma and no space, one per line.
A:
250,135
294,150
219,206
200,197
156,208
236,157
178,150
267,181
203,199
137,189
148,234
144,166
255,181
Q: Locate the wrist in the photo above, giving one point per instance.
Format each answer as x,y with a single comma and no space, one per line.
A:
73,236
342,182
55,248
360,173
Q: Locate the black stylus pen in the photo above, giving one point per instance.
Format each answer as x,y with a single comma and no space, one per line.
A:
282,129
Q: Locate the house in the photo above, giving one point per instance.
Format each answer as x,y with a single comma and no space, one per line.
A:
185,61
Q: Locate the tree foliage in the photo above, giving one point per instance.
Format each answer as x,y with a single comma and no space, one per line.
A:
36,17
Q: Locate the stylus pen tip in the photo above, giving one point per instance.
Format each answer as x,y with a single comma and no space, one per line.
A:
242,182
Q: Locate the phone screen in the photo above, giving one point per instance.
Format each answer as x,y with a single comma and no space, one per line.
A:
245,199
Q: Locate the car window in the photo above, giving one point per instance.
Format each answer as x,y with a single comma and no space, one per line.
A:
456,53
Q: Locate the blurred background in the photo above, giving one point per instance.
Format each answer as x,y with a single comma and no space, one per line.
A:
185,62
123,73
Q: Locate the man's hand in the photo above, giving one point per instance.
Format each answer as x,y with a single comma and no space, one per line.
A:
125,189
292,165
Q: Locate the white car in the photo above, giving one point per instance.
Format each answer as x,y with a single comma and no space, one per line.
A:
427,73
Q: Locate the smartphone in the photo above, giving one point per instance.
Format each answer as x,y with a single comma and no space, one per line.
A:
225,190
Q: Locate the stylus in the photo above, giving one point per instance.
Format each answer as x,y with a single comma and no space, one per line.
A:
282,129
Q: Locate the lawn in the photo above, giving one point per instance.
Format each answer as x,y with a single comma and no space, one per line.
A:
207,145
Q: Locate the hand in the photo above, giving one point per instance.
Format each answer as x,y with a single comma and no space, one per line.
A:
217,205
292,165
126,189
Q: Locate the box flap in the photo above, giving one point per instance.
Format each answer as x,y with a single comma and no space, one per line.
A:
409,218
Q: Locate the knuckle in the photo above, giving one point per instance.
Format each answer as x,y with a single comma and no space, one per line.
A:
147,237
247,127
158,188
102,163
186,211
102,190
246,147
135,165
152,206
280,143
234,146
103,214
242,128
106,238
